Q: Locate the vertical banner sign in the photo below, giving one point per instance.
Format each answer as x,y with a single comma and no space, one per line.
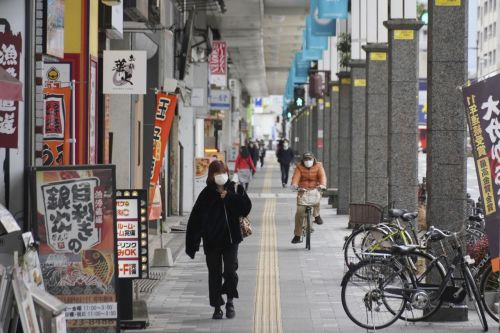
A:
321,26
164,116
332,9
132,234
56,126
75,222
10,60
217,63
481,102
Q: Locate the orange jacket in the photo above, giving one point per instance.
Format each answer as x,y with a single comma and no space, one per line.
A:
309,178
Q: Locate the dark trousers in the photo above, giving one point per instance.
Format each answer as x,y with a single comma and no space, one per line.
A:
261,161
217,258
285,168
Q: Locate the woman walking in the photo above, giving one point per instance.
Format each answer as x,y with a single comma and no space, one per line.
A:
215,218
244,166
285,156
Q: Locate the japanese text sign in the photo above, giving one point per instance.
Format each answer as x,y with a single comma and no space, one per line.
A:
56,126
217,63
10,60
74,219
164,116
132,233
220,99
124,72
481,102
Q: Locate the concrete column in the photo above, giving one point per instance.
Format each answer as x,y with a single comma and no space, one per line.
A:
326,137
358,123
446,124
344,155
403,112
376,180
320,130
333,173
309,121
314,127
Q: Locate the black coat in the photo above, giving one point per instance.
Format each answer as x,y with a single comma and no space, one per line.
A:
285,156
208,219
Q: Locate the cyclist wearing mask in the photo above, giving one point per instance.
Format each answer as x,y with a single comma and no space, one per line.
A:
309,174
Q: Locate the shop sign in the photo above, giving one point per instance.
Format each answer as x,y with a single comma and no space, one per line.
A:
481,101
132,233
164,116
220,99
124,72
56,126
74,218
201,174
217,64
10,60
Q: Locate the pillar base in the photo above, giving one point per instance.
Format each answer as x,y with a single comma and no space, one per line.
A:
447,313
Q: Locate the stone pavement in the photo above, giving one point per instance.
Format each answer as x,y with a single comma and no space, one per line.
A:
306,298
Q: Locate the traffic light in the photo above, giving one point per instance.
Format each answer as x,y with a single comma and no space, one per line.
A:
299,97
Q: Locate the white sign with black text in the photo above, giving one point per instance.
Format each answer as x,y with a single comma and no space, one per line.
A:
124,72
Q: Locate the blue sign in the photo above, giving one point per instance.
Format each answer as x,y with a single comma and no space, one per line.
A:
258,102
309,55
320,26
332,9
301,67
313,41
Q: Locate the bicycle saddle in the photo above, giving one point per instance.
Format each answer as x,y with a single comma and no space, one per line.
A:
394,212
403,249
409,216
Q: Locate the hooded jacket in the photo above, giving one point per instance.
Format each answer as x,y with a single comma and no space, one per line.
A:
208,218
309,178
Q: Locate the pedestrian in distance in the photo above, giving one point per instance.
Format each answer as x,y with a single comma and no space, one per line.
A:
285,156
262,153
309,174
254,153
215,219
244,167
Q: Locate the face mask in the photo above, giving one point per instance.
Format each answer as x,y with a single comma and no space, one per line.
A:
308,163
221,179
285,146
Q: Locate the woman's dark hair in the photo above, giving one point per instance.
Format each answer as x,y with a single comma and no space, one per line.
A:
216,167
244,152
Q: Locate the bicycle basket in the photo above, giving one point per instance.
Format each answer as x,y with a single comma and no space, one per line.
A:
309,198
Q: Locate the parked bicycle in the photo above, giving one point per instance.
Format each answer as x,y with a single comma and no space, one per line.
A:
378,290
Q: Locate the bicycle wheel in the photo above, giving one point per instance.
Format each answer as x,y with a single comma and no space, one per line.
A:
366,302
474,295
489,289
354,248
308,229
426,273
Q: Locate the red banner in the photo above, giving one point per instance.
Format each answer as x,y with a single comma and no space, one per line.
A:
164,116
56,126
10,60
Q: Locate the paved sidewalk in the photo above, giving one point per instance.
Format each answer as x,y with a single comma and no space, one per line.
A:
309,281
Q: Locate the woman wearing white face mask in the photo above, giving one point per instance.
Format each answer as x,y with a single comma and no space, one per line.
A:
309,174
215,218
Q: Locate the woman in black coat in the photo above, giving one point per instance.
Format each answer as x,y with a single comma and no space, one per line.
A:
215,219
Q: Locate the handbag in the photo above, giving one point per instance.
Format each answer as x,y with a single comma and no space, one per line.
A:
245,226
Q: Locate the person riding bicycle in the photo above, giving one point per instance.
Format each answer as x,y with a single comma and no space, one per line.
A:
309,174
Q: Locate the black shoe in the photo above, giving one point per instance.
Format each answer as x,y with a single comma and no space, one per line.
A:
284,185
318,220
218,314
230,310
296,239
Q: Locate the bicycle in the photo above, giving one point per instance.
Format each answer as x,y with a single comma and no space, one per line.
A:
387,286
309,199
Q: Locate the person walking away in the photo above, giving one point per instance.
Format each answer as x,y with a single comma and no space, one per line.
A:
262,153
309,174
215,219
254,153
244,167
285,156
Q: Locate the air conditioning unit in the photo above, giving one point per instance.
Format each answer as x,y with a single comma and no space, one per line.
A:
112,21
136,10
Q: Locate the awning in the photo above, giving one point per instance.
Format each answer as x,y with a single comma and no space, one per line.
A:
11,89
